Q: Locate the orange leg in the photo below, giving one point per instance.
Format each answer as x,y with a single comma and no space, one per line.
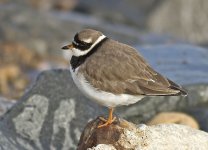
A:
110,119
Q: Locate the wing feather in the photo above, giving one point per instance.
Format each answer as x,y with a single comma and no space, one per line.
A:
123,71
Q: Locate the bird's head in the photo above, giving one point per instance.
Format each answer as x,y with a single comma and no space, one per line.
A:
84,41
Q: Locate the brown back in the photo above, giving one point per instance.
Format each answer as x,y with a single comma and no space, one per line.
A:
120,69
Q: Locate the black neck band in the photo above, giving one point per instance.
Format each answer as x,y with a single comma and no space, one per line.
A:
76,61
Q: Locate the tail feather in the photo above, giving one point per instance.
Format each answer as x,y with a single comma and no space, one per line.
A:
174,86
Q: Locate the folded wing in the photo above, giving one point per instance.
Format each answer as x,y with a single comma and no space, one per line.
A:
124,71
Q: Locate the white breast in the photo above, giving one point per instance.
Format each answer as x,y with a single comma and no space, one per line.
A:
103,98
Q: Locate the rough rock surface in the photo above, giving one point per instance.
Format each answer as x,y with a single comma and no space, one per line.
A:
5,105
182,18
184,63
50,116
123,135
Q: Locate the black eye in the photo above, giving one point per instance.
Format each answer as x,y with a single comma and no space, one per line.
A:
81,45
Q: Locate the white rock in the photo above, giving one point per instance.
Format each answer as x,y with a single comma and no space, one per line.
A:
102,147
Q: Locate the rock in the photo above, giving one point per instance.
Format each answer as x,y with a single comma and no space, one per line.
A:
183,63
174,117
133,12
43,34
123,135
102,147
5,105
182,18
201,115
50,116
8,73
16,70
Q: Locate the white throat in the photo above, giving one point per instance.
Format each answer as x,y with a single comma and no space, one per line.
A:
77,52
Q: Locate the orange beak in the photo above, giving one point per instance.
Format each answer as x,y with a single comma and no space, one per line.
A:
70,46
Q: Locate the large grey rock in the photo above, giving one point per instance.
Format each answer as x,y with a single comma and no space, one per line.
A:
183,18
53,112
5,104
185,64
51,115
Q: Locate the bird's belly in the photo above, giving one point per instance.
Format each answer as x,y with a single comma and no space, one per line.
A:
101,97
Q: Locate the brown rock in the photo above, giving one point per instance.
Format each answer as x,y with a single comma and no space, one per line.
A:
11,74
174,117
17,53
16,59
121,134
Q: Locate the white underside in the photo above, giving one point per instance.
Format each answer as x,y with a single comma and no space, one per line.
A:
103,98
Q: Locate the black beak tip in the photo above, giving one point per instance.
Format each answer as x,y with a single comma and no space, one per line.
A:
65,47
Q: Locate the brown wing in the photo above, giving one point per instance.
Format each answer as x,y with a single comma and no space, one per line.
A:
123,71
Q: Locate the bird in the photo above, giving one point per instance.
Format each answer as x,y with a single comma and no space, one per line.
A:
113,74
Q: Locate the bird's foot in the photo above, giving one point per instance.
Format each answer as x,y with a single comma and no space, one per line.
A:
107,122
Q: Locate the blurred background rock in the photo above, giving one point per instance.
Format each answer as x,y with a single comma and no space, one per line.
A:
172,35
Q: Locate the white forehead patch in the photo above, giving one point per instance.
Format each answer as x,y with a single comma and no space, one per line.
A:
87,40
